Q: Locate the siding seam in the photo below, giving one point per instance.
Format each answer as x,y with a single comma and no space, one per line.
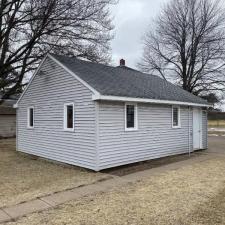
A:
97,134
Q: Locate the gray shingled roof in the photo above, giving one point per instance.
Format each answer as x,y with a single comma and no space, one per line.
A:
126,82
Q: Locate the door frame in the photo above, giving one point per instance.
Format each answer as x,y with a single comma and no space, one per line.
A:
199,110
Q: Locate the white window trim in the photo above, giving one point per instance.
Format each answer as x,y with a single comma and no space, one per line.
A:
65,117
28,117
135,117
179,122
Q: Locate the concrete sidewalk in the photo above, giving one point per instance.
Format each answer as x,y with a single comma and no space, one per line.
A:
14,212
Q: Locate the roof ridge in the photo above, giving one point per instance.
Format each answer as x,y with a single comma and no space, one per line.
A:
102,64
82,60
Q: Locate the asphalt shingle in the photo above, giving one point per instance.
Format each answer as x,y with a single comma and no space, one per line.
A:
126,82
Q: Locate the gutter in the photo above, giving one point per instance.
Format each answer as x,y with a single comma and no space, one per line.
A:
97,97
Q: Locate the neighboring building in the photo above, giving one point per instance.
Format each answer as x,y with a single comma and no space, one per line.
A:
216,115
7,118
98,116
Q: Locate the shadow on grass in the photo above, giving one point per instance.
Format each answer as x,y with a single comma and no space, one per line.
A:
149,164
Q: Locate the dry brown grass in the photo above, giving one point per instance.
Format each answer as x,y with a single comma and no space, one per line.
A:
192,195
22,178
216,123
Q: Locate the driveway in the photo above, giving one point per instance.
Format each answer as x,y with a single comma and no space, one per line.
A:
216,145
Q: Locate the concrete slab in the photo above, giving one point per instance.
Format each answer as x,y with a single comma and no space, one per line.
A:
216,145
4,217
133,177
26,208
59,198
100,187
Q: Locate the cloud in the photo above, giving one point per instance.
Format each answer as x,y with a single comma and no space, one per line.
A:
132,18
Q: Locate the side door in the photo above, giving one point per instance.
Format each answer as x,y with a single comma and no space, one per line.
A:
197,128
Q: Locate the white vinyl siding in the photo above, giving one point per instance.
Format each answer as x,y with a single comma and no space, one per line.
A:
155,137
204,129
48,93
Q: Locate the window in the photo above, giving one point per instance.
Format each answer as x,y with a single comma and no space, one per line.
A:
175,117
69,117
130,117
30,117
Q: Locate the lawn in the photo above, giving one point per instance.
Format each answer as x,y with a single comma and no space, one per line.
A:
191,195
23,178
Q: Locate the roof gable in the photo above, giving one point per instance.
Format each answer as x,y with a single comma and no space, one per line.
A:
61,65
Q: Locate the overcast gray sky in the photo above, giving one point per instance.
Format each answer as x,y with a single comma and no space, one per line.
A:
131,19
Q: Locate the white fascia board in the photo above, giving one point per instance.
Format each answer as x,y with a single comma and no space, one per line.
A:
74,75
145,100
35,73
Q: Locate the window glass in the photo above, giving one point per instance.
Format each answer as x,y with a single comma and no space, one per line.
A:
130,111
175,116
30,117
69,116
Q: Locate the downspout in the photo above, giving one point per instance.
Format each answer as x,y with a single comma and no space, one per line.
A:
189,131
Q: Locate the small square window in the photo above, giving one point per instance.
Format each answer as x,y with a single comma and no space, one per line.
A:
130,117
69,116
175,117
30,117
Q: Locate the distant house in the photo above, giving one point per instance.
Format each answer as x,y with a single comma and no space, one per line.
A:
8,118
97,116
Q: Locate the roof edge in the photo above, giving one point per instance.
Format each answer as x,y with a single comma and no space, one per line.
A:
30,81
61,65
73,74
145,100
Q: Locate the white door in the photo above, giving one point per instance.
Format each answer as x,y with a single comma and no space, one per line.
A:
197,129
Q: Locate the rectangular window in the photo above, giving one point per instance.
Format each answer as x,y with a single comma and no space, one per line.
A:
130,117
176,117
30,117
69,116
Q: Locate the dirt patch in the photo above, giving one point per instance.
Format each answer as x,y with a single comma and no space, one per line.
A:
170,198
23,177
149,164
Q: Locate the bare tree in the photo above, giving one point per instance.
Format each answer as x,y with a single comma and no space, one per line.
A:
31,28
187,45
